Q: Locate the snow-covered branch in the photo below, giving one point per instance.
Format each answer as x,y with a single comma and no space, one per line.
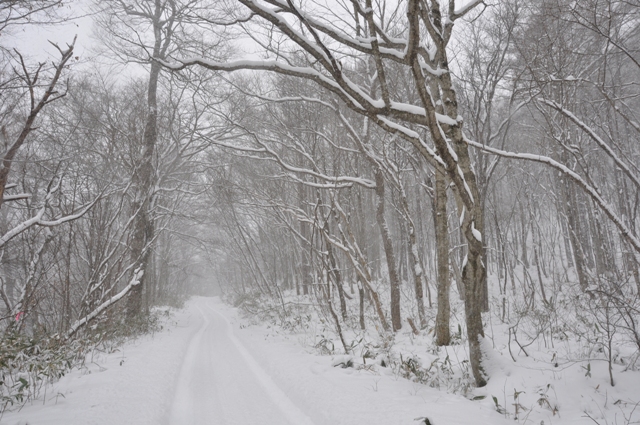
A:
135,280
38,220
599,141
589,190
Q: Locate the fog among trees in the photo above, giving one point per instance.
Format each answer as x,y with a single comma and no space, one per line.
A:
374,167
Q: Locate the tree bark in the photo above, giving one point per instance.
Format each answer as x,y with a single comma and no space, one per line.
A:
143,227
413,259
335,271
574,235
387,243
443,333
144,177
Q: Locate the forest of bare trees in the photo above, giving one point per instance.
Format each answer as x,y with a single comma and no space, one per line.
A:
413,166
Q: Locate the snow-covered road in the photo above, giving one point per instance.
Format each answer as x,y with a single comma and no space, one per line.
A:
220,383
209,368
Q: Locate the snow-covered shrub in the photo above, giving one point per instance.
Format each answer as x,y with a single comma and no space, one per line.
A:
112,330
28,363
439,373
325,346
286,312
249,302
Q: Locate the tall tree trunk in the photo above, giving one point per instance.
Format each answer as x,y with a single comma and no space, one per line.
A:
361,265
161,18
443,333
413,259
631,263
361,304
452,148
335,271
574,235
305,267
387,243
143,227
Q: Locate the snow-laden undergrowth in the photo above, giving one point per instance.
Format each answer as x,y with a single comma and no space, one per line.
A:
570,358
31,363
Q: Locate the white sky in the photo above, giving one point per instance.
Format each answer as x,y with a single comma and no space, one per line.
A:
33,40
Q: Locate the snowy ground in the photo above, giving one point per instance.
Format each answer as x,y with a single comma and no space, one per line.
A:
210,368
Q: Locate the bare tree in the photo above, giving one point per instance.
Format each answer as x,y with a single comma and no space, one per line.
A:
427,26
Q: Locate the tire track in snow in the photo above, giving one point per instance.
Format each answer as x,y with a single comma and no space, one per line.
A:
279,398
182,409
220,383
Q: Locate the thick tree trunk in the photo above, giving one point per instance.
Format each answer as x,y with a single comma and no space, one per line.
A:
445,127
143,227
472,275
161,18
443,333
460,171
